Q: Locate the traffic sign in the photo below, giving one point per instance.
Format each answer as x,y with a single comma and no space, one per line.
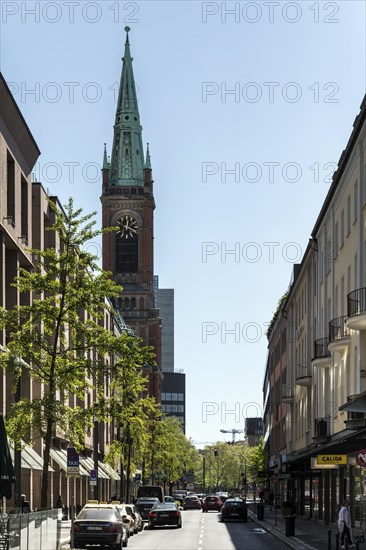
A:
73,464
93,477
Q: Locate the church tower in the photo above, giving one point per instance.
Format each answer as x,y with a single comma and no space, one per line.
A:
128,203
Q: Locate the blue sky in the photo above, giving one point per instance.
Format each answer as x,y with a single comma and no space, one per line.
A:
268,92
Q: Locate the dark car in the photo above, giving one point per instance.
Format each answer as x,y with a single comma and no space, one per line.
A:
165,514
144,506
212,503
234,508
192,503
101,525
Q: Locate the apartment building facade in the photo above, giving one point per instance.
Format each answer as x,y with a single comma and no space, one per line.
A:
325,381
25,217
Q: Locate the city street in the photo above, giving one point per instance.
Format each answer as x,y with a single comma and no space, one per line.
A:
204,532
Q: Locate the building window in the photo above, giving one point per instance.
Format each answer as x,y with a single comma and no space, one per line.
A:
174,397
127,254
342,229
174,408
10,175
180,408
355,202
336,239
348,215
24,208
180,397
168,408
168,397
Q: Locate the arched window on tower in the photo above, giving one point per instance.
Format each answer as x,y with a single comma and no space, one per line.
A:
127,245
133,304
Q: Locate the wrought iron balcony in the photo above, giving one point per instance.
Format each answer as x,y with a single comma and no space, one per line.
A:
356,307
321,353
355,420
339,334
322,429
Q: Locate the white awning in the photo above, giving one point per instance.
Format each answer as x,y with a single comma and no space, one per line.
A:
88,464
109,471
30,459
60,457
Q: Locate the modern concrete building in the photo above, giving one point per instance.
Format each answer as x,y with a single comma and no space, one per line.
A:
324,381
165,305
173,398
253,430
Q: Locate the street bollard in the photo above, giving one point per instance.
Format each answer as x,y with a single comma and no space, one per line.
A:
337,541
329,539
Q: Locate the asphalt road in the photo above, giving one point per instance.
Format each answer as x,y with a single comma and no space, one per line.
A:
205,532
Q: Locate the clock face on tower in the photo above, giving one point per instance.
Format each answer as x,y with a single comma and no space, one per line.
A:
127,227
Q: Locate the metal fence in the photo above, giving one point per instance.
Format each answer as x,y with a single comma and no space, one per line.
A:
34,531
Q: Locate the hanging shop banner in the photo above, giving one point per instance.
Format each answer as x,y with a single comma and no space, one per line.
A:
361,458
331,460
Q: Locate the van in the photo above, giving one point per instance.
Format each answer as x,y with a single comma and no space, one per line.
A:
151,491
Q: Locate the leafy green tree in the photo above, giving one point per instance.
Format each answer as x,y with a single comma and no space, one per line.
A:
59,339
256,460
169,454
129,404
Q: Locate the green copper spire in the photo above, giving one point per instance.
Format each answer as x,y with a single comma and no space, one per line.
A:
105,161
148,158
127,162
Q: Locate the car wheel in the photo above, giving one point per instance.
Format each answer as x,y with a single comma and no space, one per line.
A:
136,531
125,542
151,527
222,520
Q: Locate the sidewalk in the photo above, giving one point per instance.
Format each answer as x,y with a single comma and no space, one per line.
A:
308,534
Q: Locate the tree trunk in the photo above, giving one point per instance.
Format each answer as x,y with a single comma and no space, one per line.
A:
46,461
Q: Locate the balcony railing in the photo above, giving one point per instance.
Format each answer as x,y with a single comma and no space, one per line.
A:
356,302
321,348
338,329
323,427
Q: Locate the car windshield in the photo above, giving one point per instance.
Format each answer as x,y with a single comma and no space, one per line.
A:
191,498
103,514
233,503
211,499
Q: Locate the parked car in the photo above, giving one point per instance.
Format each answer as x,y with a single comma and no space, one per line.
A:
126,518
191,503
137,519
179,497
234,508
144,506
212,503
165,514
101,524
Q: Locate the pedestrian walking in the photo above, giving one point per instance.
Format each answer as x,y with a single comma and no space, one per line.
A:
261,496
59,502
271,498
344,524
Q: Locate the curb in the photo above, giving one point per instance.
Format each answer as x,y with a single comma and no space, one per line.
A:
291,542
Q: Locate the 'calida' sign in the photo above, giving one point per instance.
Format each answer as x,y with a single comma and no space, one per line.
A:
331,460
361,458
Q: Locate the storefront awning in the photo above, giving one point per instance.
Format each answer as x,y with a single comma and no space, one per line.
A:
30,459
357,403
109,471
60,457
88,464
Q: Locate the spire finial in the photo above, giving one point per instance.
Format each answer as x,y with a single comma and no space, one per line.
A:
105,161
127,29
148,158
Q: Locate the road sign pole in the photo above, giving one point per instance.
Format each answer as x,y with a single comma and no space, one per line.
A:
72,513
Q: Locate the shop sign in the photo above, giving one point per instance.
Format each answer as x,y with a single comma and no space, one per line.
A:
361,458
331,460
